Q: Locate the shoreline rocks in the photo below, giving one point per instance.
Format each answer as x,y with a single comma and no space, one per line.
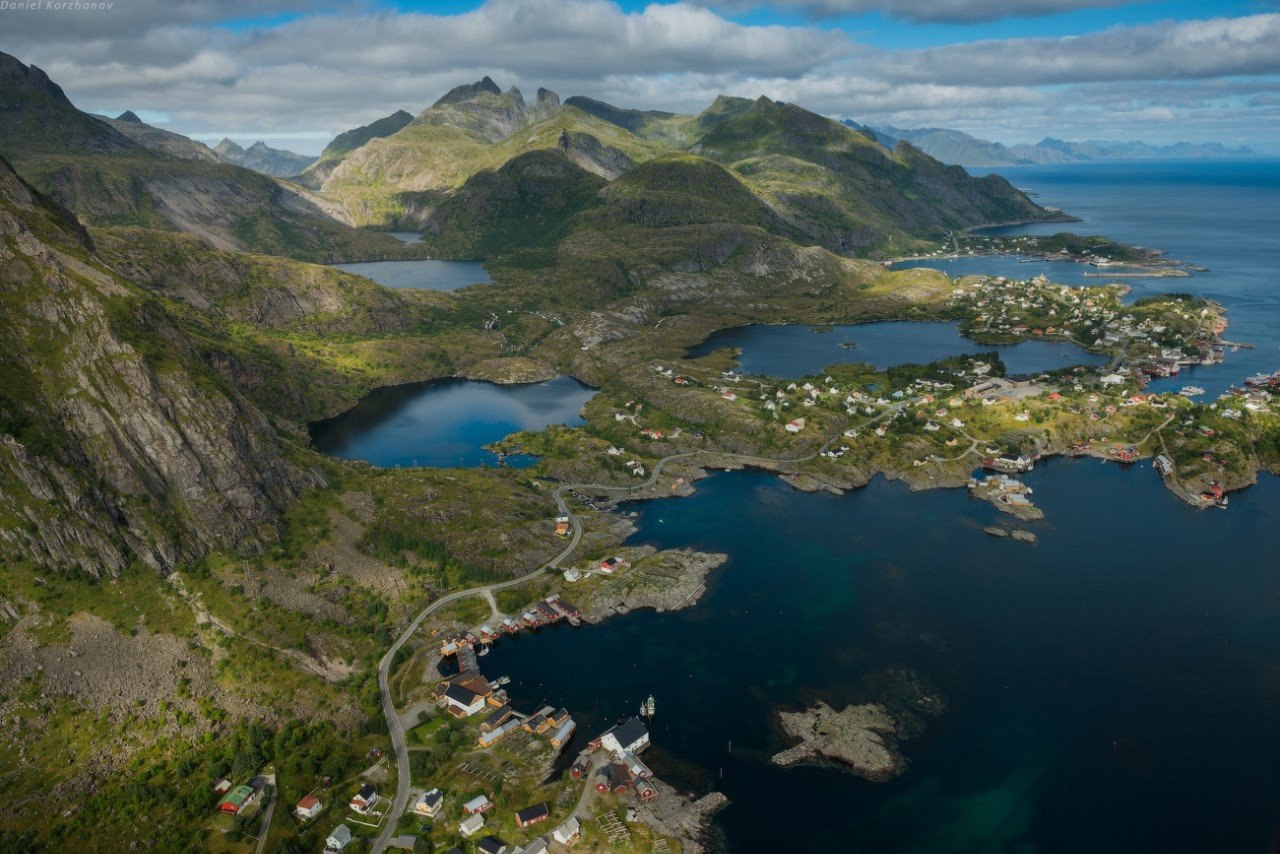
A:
859,739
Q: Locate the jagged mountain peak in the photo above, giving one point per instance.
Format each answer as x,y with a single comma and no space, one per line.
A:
129,116
468,92
547,98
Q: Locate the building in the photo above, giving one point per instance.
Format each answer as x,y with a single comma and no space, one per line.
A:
363,800
462,702
308,808
631,736
429,803
530,816
492,845
477,805
497,719
338,840
237,800
403,842
795,425
537,846
563,733
471,825
222,787
568,833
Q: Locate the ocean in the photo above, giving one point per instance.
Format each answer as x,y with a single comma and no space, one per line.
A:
1113,687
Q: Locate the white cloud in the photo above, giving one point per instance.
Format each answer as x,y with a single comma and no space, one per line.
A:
931,11
319,74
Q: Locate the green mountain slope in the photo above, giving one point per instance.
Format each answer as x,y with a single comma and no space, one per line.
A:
847,192
107,178
349,141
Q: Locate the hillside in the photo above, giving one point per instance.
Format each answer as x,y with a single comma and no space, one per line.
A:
107,178
111,412
846,191
315,174
158,140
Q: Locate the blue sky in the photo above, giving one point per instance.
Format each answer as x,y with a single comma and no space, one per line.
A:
296,72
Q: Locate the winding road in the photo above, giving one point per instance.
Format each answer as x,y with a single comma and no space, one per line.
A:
394,724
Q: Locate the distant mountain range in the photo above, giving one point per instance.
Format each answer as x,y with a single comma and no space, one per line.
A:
962,149
261,157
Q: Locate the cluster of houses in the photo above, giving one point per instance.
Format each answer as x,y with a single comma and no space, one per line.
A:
624,771
1009,306
474,811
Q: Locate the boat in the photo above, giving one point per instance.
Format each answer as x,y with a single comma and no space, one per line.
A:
647,708
1191,391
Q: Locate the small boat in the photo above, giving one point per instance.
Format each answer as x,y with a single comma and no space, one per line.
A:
647,708
1191,391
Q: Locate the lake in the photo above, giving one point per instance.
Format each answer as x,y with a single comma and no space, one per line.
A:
430,275
405,236
447,422
1117,697
790,352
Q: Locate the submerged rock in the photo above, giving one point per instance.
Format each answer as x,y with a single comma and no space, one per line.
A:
859,739
1024,536
995,531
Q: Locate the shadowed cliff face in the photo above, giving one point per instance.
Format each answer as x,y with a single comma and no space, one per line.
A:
117,443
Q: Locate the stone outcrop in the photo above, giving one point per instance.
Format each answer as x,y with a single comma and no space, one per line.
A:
859,739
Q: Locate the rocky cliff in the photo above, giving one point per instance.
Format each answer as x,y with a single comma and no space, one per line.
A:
118,444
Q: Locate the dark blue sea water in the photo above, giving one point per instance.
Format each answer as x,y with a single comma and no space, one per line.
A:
446,423
797,351
1115,687
430,275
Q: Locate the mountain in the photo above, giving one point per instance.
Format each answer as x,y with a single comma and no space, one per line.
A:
950,146
1048,149
262,158
849,193
125,446
953,146
99,170
159,140
315,174
399,179
824,183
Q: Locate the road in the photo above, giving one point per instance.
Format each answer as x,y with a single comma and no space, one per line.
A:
394,724
265,830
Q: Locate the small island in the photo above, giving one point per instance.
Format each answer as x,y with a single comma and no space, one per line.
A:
860,739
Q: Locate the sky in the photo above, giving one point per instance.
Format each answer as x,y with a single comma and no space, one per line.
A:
297,72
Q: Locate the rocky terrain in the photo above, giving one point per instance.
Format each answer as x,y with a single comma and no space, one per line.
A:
859,739
665,581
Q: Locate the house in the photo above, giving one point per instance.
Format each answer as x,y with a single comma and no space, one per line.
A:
477,805
609,564
363,800
308,808
497,719
471,825
529,816
462,702
492,845
645,790
562,526
222,787
403,842
429,803
568,833
795,425
338,840
537,846
572,574
631,736
563,733
237,800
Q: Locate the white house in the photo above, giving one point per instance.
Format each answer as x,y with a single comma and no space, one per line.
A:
363,800
308,808
471,825
463,701
630,736
429,803
569,832
795,426
338,840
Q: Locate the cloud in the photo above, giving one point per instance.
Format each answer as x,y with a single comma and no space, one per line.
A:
1167,50
923,11
305,77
